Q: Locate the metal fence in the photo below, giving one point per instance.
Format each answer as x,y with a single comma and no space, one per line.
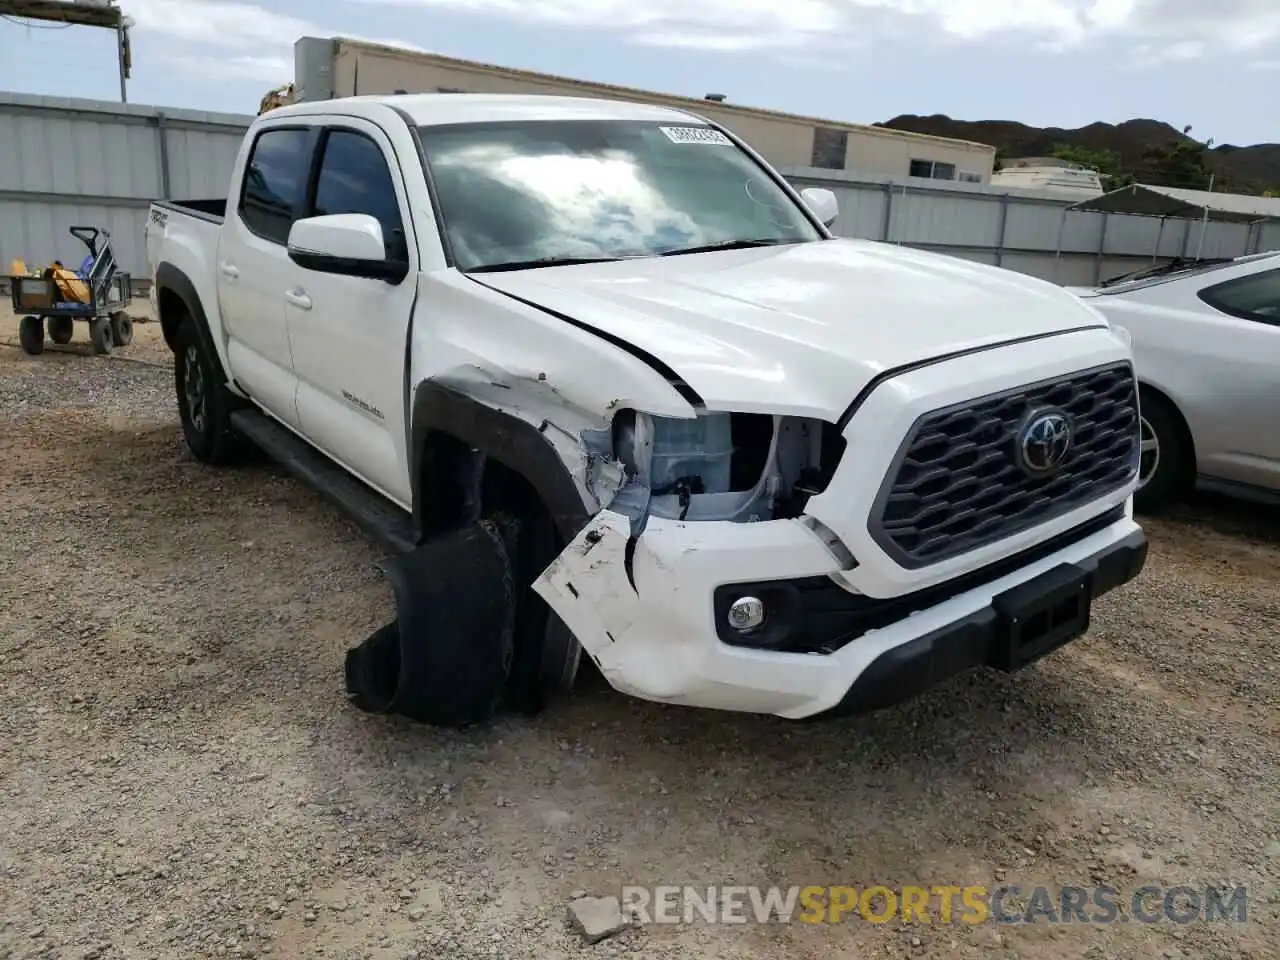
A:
65,162
1022,230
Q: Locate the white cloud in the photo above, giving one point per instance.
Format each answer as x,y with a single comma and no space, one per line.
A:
1153,55
269,69
722,42
217,23
239,39
208,29
746,25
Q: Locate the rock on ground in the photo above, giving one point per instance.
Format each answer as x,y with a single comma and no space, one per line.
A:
595,918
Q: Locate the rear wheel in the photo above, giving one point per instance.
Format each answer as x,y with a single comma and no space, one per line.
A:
61,329
204,403
100,334
31,335
1164,467
122,328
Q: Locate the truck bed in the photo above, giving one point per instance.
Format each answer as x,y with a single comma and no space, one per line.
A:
212,210
186,232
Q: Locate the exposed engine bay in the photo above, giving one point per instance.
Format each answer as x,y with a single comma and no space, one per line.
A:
740,467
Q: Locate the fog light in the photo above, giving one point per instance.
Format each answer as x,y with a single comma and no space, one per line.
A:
746,613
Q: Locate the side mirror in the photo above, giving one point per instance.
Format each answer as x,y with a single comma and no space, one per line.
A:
823,203
348,244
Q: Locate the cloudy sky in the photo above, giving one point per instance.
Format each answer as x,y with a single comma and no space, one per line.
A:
1214,64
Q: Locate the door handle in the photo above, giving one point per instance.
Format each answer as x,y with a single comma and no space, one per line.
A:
228,270
299,299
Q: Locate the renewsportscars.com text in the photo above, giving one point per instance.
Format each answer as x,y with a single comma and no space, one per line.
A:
937,904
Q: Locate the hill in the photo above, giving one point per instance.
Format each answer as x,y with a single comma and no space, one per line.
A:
1149,151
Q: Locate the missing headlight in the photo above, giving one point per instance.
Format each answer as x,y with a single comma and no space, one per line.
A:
727,466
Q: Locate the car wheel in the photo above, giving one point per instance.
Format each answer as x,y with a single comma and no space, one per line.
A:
448,657
1162,468
547,655
204,404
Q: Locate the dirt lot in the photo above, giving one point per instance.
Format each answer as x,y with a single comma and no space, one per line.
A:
181,776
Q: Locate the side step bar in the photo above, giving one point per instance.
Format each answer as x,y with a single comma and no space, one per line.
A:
380,519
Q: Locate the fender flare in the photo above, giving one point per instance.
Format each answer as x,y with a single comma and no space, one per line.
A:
516,444
172,279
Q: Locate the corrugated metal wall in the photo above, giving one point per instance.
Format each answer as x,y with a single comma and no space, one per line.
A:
1023,231
65,162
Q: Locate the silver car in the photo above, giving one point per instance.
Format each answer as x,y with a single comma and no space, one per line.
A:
1206,343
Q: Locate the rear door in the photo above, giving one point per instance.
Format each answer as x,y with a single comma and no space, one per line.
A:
252,264
1241,363
349,334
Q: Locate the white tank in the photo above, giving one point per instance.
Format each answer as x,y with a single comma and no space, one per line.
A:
1050,175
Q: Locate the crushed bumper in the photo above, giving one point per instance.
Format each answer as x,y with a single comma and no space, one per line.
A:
645,610
982,638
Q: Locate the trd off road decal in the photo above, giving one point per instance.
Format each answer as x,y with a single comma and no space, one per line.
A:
366,407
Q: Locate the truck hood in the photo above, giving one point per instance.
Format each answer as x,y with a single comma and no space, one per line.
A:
798,329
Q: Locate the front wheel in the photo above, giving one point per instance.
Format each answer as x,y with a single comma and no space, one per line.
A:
1162,469
547,655
204,403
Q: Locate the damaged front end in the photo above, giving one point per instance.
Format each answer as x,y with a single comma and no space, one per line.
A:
671,488
658,494
739,467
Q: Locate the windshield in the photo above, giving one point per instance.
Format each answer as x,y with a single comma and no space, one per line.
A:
529,193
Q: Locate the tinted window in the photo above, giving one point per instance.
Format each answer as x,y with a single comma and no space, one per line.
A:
1256,297
932,169
516,192
354,178
274,182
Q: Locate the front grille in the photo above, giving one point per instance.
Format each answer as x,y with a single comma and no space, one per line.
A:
958,482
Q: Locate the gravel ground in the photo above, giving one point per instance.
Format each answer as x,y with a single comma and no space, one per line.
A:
181,776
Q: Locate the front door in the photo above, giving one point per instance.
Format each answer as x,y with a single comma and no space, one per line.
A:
349,334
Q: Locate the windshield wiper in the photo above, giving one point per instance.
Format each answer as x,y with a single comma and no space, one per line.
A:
727,245
540,262
1175,266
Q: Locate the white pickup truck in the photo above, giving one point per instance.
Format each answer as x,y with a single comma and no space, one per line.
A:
751,466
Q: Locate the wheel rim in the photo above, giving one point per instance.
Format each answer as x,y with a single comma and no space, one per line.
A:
1149,461
193,387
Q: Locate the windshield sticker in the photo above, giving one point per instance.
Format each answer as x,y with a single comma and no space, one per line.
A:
696,135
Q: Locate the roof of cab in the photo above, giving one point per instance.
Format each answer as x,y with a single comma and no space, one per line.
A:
430,109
